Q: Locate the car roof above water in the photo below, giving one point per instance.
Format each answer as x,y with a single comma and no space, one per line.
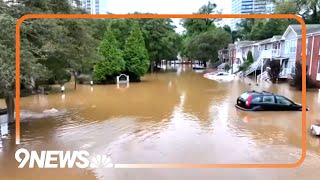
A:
259,93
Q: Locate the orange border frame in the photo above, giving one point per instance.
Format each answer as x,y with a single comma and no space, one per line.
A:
109,16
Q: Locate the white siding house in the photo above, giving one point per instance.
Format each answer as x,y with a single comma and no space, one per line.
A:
290,38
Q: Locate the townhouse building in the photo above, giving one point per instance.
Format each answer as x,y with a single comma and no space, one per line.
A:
285,49
312,50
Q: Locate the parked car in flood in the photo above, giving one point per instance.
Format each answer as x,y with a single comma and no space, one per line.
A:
220,76
266,101
315,128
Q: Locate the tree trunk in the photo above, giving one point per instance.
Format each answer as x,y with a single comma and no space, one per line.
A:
152,66
204,64
75,80
9,98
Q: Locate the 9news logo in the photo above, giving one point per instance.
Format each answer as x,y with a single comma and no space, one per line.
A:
61,159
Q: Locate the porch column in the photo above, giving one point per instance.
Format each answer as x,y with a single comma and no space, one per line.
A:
261,70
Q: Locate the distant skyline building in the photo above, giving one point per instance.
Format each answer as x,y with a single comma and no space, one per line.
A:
95,6
250,7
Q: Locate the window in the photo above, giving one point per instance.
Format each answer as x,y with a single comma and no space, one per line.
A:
287,47
265,47
256,100
292,46
283,101
307,45
319,47
275,46
268,99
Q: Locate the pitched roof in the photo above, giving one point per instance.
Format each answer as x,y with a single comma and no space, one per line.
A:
297,29
244,43
277,37
231,46
265,41
311,28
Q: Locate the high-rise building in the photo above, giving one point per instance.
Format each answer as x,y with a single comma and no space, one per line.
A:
95,6
250,6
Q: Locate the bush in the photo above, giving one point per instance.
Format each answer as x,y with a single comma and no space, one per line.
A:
297,78
250,59
274,71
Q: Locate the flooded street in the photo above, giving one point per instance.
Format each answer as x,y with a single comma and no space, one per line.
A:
175,118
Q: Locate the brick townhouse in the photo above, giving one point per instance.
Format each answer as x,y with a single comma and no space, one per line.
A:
313,51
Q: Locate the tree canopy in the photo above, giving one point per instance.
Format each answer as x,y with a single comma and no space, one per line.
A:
135,52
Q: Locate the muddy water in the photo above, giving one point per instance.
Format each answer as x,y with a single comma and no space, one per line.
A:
177,117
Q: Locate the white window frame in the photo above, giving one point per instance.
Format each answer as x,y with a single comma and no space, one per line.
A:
318,71
287,48
307,42
319,47
293,46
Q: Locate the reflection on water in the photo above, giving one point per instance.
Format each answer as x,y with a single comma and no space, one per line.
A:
175,117
4,129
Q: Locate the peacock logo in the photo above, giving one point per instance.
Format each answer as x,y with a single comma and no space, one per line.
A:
101,161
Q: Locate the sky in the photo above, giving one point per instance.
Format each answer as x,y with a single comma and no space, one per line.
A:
165,7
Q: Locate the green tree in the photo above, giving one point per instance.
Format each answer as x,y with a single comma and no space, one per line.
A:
161,40
136,54
205,46
297,77
274,71
244,28
112,63
30,69
309,10
247,62
250,57
196,26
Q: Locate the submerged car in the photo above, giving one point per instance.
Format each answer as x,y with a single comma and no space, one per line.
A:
220,76
315,128
198,67
266,101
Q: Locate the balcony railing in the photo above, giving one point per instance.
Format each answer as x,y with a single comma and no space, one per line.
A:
276,52
270,53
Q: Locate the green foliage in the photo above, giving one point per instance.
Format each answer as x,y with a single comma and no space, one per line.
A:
135,52
274,71
30,68
297,78
258,29
112,63
196,26
205,46
309,10
161,40
250,59
247,62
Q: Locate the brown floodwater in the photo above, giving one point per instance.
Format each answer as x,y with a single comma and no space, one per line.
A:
174,117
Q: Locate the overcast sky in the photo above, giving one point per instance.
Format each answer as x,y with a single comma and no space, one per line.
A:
165,7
